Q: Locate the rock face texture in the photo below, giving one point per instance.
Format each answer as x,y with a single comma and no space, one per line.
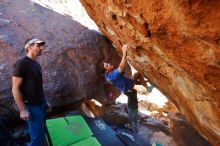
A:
176,44
183,132
71,63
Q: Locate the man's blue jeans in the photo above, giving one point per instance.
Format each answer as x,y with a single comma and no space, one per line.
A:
37,124
133,116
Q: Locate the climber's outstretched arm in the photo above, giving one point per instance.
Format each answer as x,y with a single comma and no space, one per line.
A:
124,59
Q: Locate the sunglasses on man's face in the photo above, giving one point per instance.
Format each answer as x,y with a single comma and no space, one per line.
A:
40,45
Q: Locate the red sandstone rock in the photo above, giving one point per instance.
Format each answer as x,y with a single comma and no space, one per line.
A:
176,44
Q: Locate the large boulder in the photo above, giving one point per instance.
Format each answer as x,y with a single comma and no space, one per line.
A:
71,63
184,133
175,44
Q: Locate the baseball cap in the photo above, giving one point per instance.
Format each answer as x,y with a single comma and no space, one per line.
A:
34,41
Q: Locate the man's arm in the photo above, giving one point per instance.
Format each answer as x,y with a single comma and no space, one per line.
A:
123,60
16,83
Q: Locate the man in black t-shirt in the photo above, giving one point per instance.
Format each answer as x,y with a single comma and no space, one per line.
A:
27,89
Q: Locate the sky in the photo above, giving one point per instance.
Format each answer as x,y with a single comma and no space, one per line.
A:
72,8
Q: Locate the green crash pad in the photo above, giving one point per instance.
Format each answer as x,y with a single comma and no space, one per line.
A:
91,141
68,130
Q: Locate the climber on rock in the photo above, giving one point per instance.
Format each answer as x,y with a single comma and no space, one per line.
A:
126,85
